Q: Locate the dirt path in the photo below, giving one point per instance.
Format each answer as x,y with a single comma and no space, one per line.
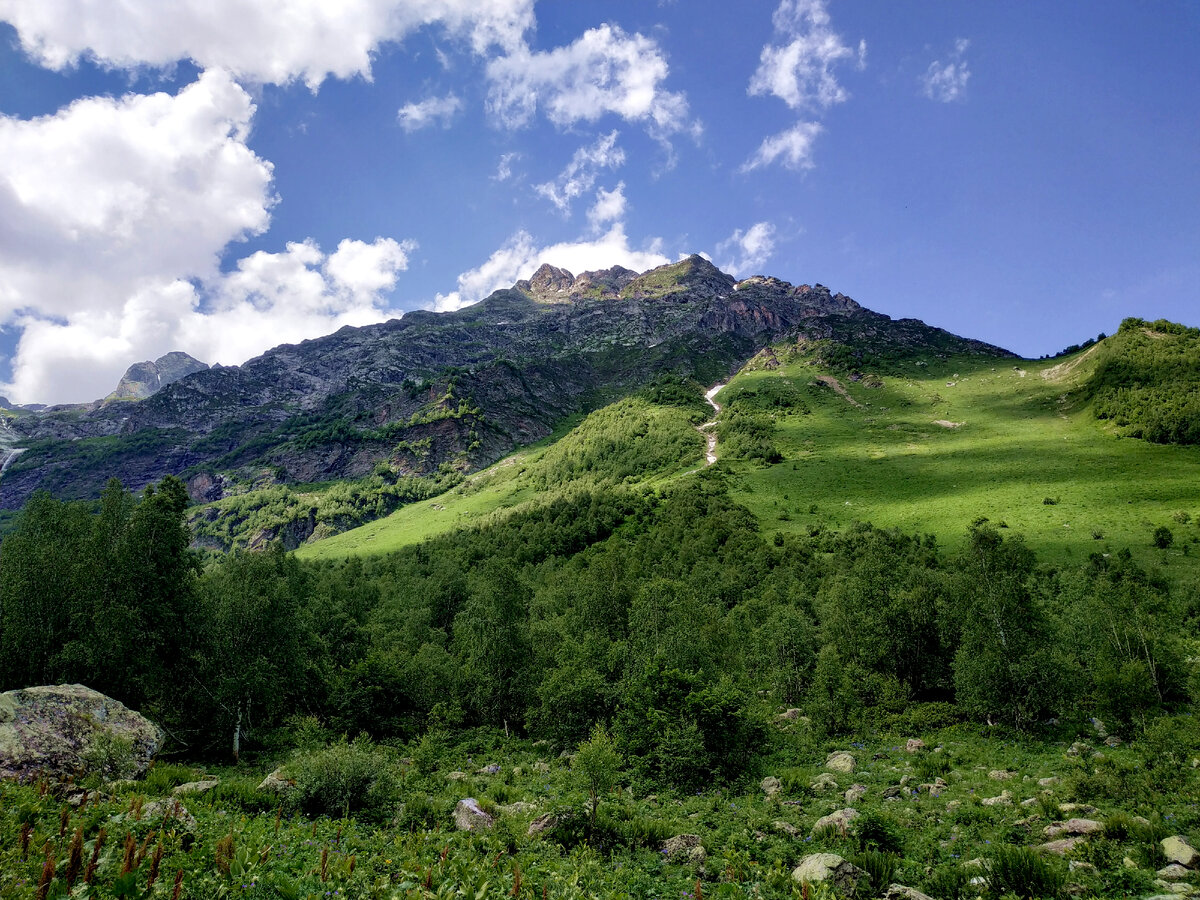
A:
708,429
837,386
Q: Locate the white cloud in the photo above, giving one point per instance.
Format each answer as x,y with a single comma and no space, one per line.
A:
947,81
271,298
109,194
606,71
434,110
792,147
504,170
581,172
520,257
275,41
744,252
801,71
609,207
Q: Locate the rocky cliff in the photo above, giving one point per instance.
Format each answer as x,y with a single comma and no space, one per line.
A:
430,390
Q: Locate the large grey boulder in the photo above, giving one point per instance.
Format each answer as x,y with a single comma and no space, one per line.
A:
816,868
839,821
68,729
468,816
1176,849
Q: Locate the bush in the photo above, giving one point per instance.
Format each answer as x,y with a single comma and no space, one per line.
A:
1163,537
879,866
346,778
1020,871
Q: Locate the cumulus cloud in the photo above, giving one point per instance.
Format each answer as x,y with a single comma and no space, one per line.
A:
581,172
793,148
606,71
947,81
432,111
274,41
269,299
800,72
504,169
521,256
609,207
744,252
108,194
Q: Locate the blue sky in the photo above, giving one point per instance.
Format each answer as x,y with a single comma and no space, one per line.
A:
220,177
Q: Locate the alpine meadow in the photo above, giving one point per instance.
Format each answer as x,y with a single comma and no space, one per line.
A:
530,450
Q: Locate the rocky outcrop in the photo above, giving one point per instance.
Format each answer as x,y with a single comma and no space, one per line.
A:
817,868
68,729
469,816
144,379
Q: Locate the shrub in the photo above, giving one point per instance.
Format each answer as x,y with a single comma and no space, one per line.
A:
346,778
1020,871
879,866
1163,537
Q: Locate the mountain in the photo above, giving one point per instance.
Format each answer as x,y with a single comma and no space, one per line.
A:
432,393
144,379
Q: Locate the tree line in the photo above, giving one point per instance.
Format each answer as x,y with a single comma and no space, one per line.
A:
666,617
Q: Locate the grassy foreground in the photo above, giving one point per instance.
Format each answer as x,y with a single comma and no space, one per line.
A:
926,818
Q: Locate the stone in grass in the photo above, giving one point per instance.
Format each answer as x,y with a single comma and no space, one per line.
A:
469,817
771,785
69,729
1176,849
277,782
1173,872
819,868
547,822
1001,775
840,761
914,745
163,814
1073,826
786,828
203,786
839,821
457,776
679,849
822,783
855,793
902,892
1005,799
1060,847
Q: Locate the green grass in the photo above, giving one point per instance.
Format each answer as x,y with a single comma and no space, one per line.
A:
1019,440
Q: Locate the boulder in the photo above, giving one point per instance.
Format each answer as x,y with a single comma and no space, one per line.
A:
1005,799
818,868
1173,872
1061,847
679,848
547,822
839,821
822,783
1176,849
786,828
912,745
1001,775
69,729
277,783
1074,826
541,767
519,808
901,892
469,817
771,785
840,761
203,786
854,793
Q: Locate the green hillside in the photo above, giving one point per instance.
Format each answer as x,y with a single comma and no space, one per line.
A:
930,446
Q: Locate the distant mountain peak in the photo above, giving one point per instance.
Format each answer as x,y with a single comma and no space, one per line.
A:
144,379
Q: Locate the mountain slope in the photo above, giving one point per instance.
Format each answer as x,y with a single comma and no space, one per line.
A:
433,393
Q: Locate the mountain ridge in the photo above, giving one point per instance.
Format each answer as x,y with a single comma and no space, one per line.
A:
435,390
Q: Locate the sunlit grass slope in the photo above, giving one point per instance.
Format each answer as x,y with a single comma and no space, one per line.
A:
632,441
944,442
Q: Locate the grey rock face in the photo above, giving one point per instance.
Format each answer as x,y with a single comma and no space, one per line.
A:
69,729
144,379
469,817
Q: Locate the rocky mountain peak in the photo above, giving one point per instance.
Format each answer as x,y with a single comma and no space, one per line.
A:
144,379
549,284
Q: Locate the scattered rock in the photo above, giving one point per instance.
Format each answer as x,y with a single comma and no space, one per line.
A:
203,786
469,817
493,769
933,789
790,715
1005,799
771,785
1177,850
822,783
1001,775
541,767
829,867
1078,748
277,782
1047,782
1173,889
457,776
1173,872
163,813
547,822
895,792
1099,728
1062,846
1073,826
786,828
1078,865
1083,809
840,761
854,793
69,729
516,809
901,892
839,821
679,848
912,745
1112,741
